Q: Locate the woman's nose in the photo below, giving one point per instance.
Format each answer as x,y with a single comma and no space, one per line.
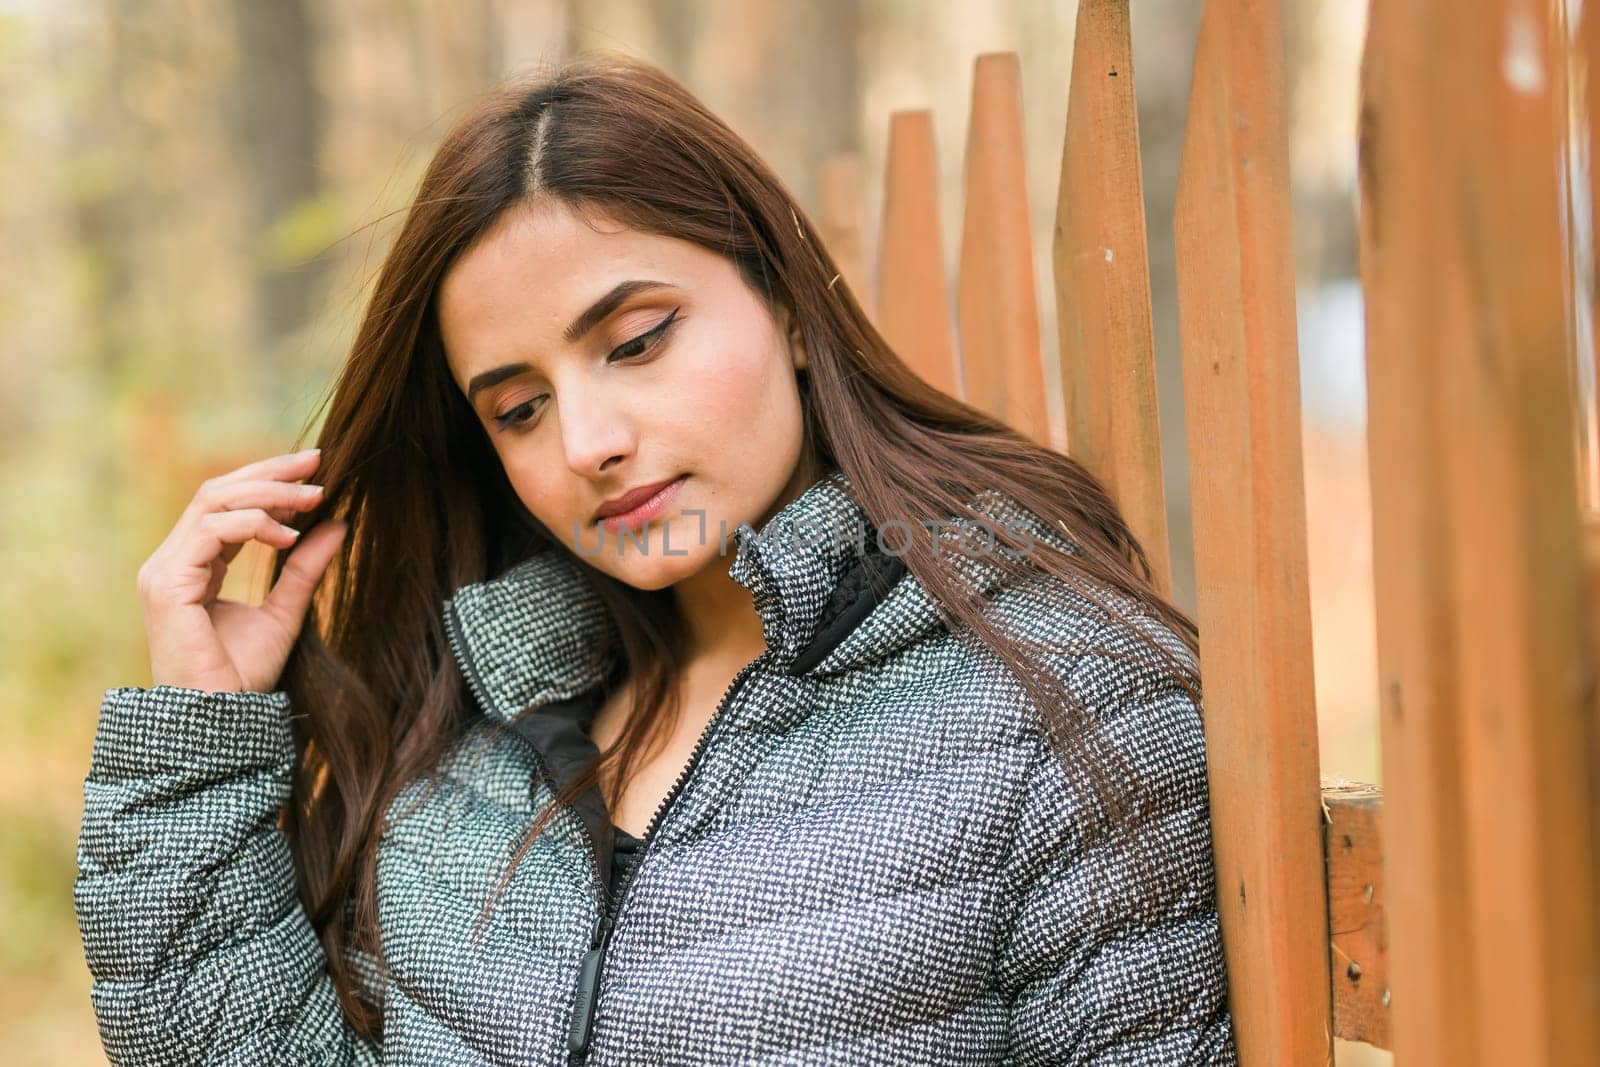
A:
595,431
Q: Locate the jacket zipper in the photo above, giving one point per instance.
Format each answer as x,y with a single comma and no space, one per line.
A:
582,1026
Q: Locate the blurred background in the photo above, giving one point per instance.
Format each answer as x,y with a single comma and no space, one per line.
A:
195,196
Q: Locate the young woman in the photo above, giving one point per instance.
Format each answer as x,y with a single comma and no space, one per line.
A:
686,681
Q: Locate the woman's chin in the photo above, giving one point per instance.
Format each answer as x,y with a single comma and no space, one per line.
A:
646,565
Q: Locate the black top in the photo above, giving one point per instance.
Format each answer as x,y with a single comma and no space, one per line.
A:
624,853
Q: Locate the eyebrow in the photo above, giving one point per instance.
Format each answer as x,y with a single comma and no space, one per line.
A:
587,320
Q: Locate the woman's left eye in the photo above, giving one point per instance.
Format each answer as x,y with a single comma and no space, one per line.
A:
646,341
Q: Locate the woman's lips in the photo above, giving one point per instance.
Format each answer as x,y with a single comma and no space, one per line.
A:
647,510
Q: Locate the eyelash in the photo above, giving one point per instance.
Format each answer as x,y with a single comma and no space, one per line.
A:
650,339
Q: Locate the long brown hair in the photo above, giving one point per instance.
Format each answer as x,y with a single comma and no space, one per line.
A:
408,466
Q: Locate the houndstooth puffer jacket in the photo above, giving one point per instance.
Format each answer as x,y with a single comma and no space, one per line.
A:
872,856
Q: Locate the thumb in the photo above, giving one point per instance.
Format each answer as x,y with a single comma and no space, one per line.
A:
291,595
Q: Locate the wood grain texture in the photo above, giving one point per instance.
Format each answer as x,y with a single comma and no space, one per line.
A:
1359,947
1483,648
913,304
1102,282
996,303
1512,537
1590,523
1242,397
1432,955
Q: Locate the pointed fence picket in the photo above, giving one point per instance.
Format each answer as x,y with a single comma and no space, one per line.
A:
1452,916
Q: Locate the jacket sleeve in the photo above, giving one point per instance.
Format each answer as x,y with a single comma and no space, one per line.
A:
1113,954
196,940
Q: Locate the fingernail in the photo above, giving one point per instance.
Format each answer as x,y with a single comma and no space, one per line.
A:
309,451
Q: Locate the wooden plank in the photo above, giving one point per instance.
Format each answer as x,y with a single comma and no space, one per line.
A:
1242,397
1462,232
913,305
1102,282
1359,946
1513,539
1433,959
996,303
1591,567
840,221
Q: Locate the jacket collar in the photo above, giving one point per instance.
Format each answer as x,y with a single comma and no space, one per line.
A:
538,633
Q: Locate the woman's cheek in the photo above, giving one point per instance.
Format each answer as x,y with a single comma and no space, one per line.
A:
731,390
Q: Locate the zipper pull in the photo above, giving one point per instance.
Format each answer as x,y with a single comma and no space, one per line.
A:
588,989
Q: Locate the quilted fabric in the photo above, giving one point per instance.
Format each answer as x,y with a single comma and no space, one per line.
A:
873,860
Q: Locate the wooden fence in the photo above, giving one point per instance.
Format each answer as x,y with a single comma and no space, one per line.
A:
1453,919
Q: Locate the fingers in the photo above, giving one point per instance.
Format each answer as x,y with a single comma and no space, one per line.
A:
214,535
284,497
197,550
202,538
280,501
255,502
289,466
225,490
290,596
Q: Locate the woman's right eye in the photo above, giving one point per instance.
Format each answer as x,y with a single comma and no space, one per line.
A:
519,416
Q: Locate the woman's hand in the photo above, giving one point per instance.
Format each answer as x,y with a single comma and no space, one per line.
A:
200,642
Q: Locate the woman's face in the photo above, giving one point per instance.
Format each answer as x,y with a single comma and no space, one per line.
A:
601,360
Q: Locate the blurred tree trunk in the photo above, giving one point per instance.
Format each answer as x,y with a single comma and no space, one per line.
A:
108,214
277,126
106,217
674,29
532,34
453,46
786,77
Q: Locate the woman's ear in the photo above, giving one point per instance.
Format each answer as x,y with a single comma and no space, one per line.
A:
797,345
